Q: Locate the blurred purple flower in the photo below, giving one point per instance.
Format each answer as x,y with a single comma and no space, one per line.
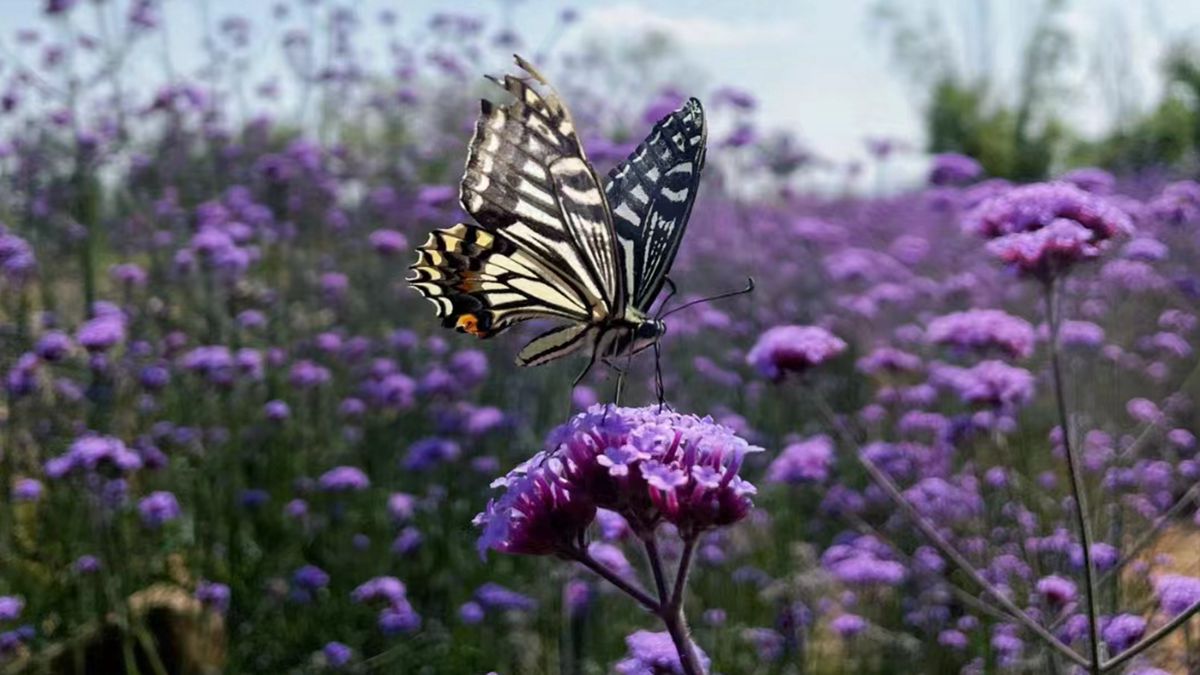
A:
101,333
158,508
1176,593
214,595
344,479
784,349
807,461
983,329
336,654
953,169
1121,631
27,490
654,654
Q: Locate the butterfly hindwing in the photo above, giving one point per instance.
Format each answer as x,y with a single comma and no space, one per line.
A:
481,283
651,195
557,343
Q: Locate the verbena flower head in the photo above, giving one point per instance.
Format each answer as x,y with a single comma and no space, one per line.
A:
344,479
397,614
336,654
785,349
654,654
982,330
1045,228
11,607
89,454
863,561
1056,591
17,261
159,508
1176,593
990,383
849,625
952,168
807,461
214,595
1121,631
646,465
101,333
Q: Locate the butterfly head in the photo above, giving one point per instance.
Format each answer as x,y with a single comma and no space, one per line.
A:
646,333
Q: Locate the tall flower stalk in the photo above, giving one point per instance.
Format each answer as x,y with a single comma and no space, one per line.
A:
1075,472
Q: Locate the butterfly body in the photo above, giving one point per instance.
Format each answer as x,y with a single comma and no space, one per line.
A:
554,241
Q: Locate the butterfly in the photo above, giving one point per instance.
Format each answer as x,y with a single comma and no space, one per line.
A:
551,240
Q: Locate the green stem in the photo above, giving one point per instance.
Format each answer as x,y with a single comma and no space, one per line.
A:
1078,490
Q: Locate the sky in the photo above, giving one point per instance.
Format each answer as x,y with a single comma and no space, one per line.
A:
816,66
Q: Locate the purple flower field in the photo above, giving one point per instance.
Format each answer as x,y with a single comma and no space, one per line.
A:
952,429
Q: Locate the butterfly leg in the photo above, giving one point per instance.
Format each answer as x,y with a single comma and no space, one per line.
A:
659,388
587,369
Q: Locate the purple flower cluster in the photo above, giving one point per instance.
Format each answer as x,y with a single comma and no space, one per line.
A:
89,454
17,261
952,169
649,466
807,461
785,349
983,330
396,614
990,383
1045,228
654,654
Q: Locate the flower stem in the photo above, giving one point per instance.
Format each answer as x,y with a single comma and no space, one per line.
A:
656,567
944,546
681,575
584,558
1078,491
678,629
671,611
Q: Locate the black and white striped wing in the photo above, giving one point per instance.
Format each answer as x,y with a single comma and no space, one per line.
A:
544,246
483,282
651,195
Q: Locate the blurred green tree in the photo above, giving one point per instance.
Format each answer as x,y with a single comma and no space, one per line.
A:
1014,130
1167,135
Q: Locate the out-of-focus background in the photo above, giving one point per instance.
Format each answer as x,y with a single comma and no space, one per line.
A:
234,439
1084,80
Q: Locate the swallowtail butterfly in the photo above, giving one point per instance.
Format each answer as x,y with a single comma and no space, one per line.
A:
554,242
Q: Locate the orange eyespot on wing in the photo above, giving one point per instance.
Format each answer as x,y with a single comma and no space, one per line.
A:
470,282
468,323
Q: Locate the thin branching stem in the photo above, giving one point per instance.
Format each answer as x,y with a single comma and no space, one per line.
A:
672,613
656,568
584,558
1150,535
1078,489
681,574
945,547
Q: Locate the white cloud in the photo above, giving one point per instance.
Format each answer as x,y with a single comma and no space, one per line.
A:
627,18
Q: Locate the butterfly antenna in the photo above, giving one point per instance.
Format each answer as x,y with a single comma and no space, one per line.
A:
670,295
748,289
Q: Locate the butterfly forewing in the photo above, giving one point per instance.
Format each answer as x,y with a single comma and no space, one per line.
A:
528,178
651,195
544,246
